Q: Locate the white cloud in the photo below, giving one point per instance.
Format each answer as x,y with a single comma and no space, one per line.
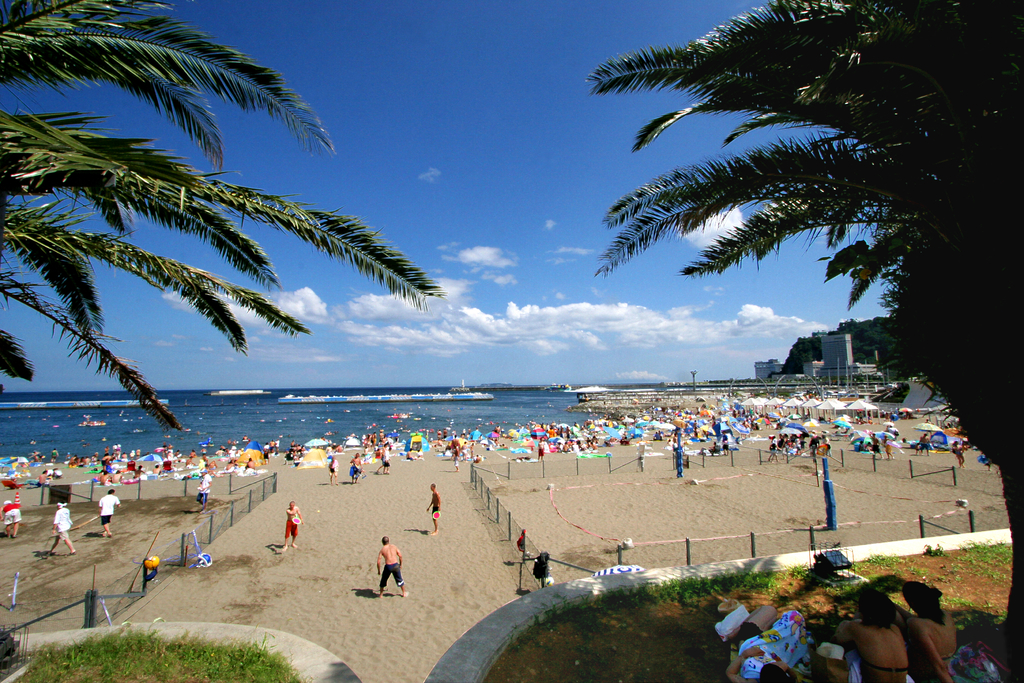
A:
304,304
576,251
507,279
430,176
640,376
484,257
176,302
549,224
720,225
547,330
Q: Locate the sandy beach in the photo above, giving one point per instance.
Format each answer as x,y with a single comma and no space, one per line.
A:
325,590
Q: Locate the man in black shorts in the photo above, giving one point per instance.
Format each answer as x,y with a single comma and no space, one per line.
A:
435,507
392,557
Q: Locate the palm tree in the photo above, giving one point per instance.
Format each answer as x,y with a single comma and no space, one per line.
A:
50,250
897,121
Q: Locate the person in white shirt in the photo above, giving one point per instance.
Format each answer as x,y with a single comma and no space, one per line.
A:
107,505
61,526
204,489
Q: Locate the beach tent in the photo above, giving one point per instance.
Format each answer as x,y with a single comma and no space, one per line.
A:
254,452
475,435
417,444
353,442
314,458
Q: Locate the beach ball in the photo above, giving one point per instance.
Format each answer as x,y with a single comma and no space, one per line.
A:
548,581
152,562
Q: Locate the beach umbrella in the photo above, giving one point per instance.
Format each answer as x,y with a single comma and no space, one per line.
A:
315,443
152,457
927,427
797,426
475,435
614,433
493,435
790,430
811,423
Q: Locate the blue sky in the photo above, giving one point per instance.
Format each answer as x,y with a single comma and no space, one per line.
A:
466,133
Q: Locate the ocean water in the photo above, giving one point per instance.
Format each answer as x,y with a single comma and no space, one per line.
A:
221,418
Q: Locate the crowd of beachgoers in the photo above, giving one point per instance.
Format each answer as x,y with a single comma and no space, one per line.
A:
699,430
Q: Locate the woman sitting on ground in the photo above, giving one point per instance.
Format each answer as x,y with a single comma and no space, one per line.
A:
877,638
931,634
769,655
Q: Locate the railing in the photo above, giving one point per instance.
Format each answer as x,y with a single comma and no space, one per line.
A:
724,547
106,604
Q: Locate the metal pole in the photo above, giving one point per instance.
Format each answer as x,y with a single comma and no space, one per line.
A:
510,525
275,483
609,463
232,523
817,475
42,492
732,458
211,529
619,548
811,530
249,509
185,494
140,489
577,466
920,523
842,458
759,456
543,469
264,491
687,552
953,469
874,462
753,545
497,510
230,487
970,517
92,485
509,470
182,556
911,463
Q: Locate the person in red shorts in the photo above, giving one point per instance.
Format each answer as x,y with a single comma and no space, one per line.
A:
291,527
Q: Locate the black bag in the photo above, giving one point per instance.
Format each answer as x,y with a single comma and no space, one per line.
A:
540,567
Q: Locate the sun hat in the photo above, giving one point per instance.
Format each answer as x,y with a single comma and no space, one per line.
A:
61,505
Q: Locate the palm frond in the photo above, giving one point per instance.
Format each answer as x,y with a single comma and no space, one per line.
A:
90,347
13,361
164,62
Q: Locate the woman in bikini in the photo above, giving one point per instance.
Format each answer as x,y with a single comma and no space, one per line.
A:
931,633
877,638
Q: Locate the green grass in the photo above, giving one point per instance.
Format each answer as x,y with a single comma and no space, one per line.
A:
988,554
883,561
138,656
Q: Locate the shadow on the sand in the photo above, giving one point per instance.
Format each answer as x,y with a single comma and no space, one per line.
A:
423,532
364,592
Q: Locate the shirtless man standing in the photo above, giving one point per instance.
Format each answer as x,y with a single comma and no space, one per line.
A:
435,507
291,526
392,557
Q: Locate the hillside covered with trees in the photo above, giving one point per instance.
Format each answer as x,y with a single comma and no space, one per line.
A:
868,336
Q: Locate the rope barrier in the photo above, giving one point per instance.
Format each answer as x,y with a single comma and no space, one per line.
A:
551,497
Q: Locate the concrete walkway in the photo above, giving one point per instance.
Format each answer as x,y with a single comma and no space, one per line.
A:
470,658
